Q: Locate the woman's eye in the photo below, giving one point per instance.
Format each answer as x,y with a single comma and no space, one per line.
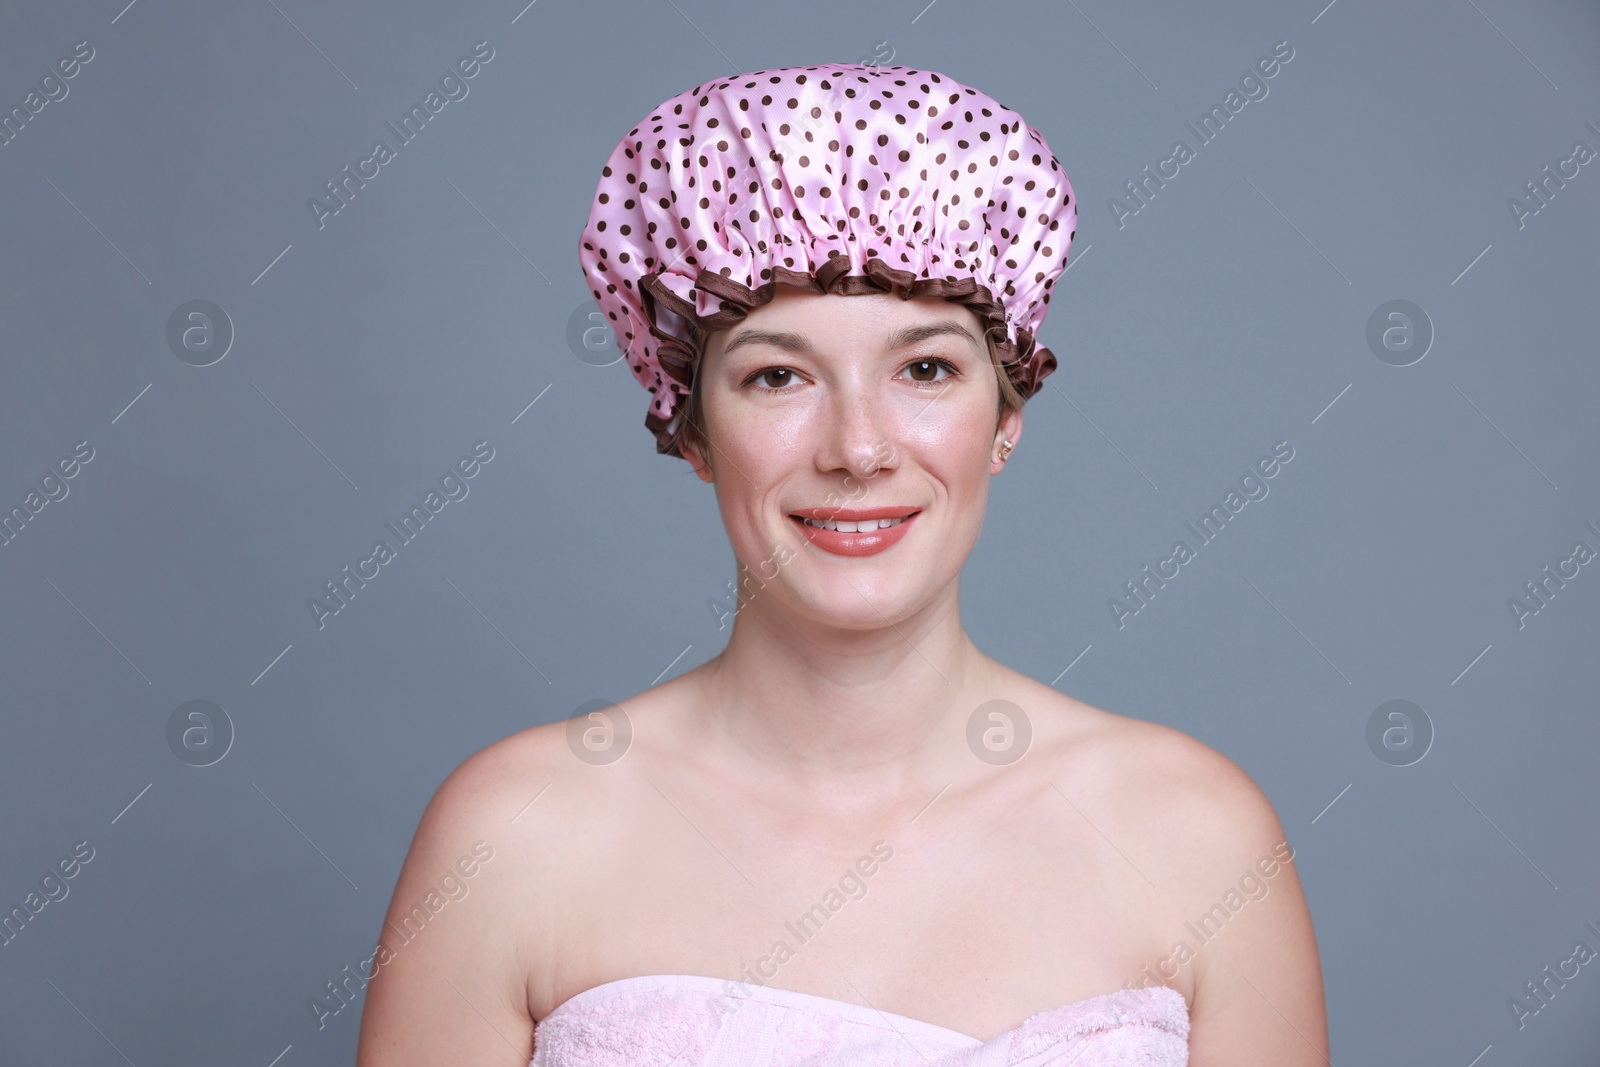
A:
927,370
775,377
922,371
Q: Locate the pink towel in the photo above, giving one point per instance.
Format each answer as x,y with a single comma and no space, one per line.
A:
695,1021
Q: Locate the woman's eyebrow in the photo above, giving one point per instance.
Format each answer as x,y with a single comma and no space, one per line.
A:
791,342
901,338
910,335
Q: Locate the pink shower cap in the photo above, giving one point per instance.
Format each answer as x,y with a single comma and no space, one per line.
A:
833,179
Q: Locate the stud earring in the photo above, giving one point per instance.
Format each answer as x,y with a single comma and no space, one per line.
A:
1005,449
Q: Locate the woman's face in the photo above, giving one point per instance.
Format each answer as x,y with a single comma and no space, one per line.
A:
859,408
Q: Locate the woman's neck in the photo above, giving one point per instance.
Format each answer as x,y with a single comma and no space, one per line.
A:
862,715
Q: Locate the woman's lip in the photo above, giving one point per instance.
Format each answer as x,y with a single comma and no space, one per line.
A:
855,514
865,543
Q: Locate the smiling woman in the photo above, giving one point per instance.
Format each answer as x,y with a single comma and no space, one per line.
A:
895,393
830,280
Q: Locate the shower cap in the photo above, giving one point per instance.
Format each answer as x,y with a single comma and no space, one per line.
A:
854,178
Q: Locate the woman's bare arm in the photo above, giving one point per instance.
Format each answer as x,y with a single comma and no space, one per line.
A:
451,982
1258,997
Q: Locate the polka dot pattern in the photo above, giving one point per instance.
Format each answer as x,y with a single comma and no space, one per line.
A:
833,179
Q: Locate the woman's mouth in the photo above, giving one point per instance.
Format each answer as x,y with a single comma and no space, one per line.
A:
854,532
864,526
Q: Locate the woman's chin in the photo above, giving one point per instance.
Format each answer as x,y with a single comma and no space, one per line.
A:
861,601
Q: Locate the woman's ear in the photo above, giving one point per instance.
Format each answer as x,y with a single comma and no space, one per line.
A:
1009,430
692,451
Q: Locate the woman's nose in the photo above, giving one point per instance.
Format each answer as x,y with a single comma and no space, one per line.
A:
860,437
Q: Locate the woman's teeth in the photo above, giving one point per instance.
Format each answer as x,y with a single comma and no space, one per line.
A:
854,527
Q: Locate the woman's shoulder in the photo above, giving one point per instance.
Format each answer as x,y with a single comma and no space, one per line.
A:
1193,813
535,784
541,812
1205,837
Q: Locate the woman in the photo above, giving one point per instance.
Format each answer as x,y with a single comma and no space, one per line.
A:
852,837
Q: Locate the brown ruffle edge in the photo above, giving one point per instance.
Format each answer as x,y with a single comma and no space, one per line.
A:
1026,362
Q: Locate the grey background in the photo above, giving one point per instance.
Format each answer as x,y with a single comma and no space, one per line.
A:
1227,315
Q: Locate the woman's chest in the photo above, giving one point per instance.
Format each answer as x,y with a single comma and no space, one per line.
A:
973,924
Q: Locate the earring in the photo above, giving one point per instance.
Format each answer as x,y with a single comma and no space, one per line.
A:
1005,449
